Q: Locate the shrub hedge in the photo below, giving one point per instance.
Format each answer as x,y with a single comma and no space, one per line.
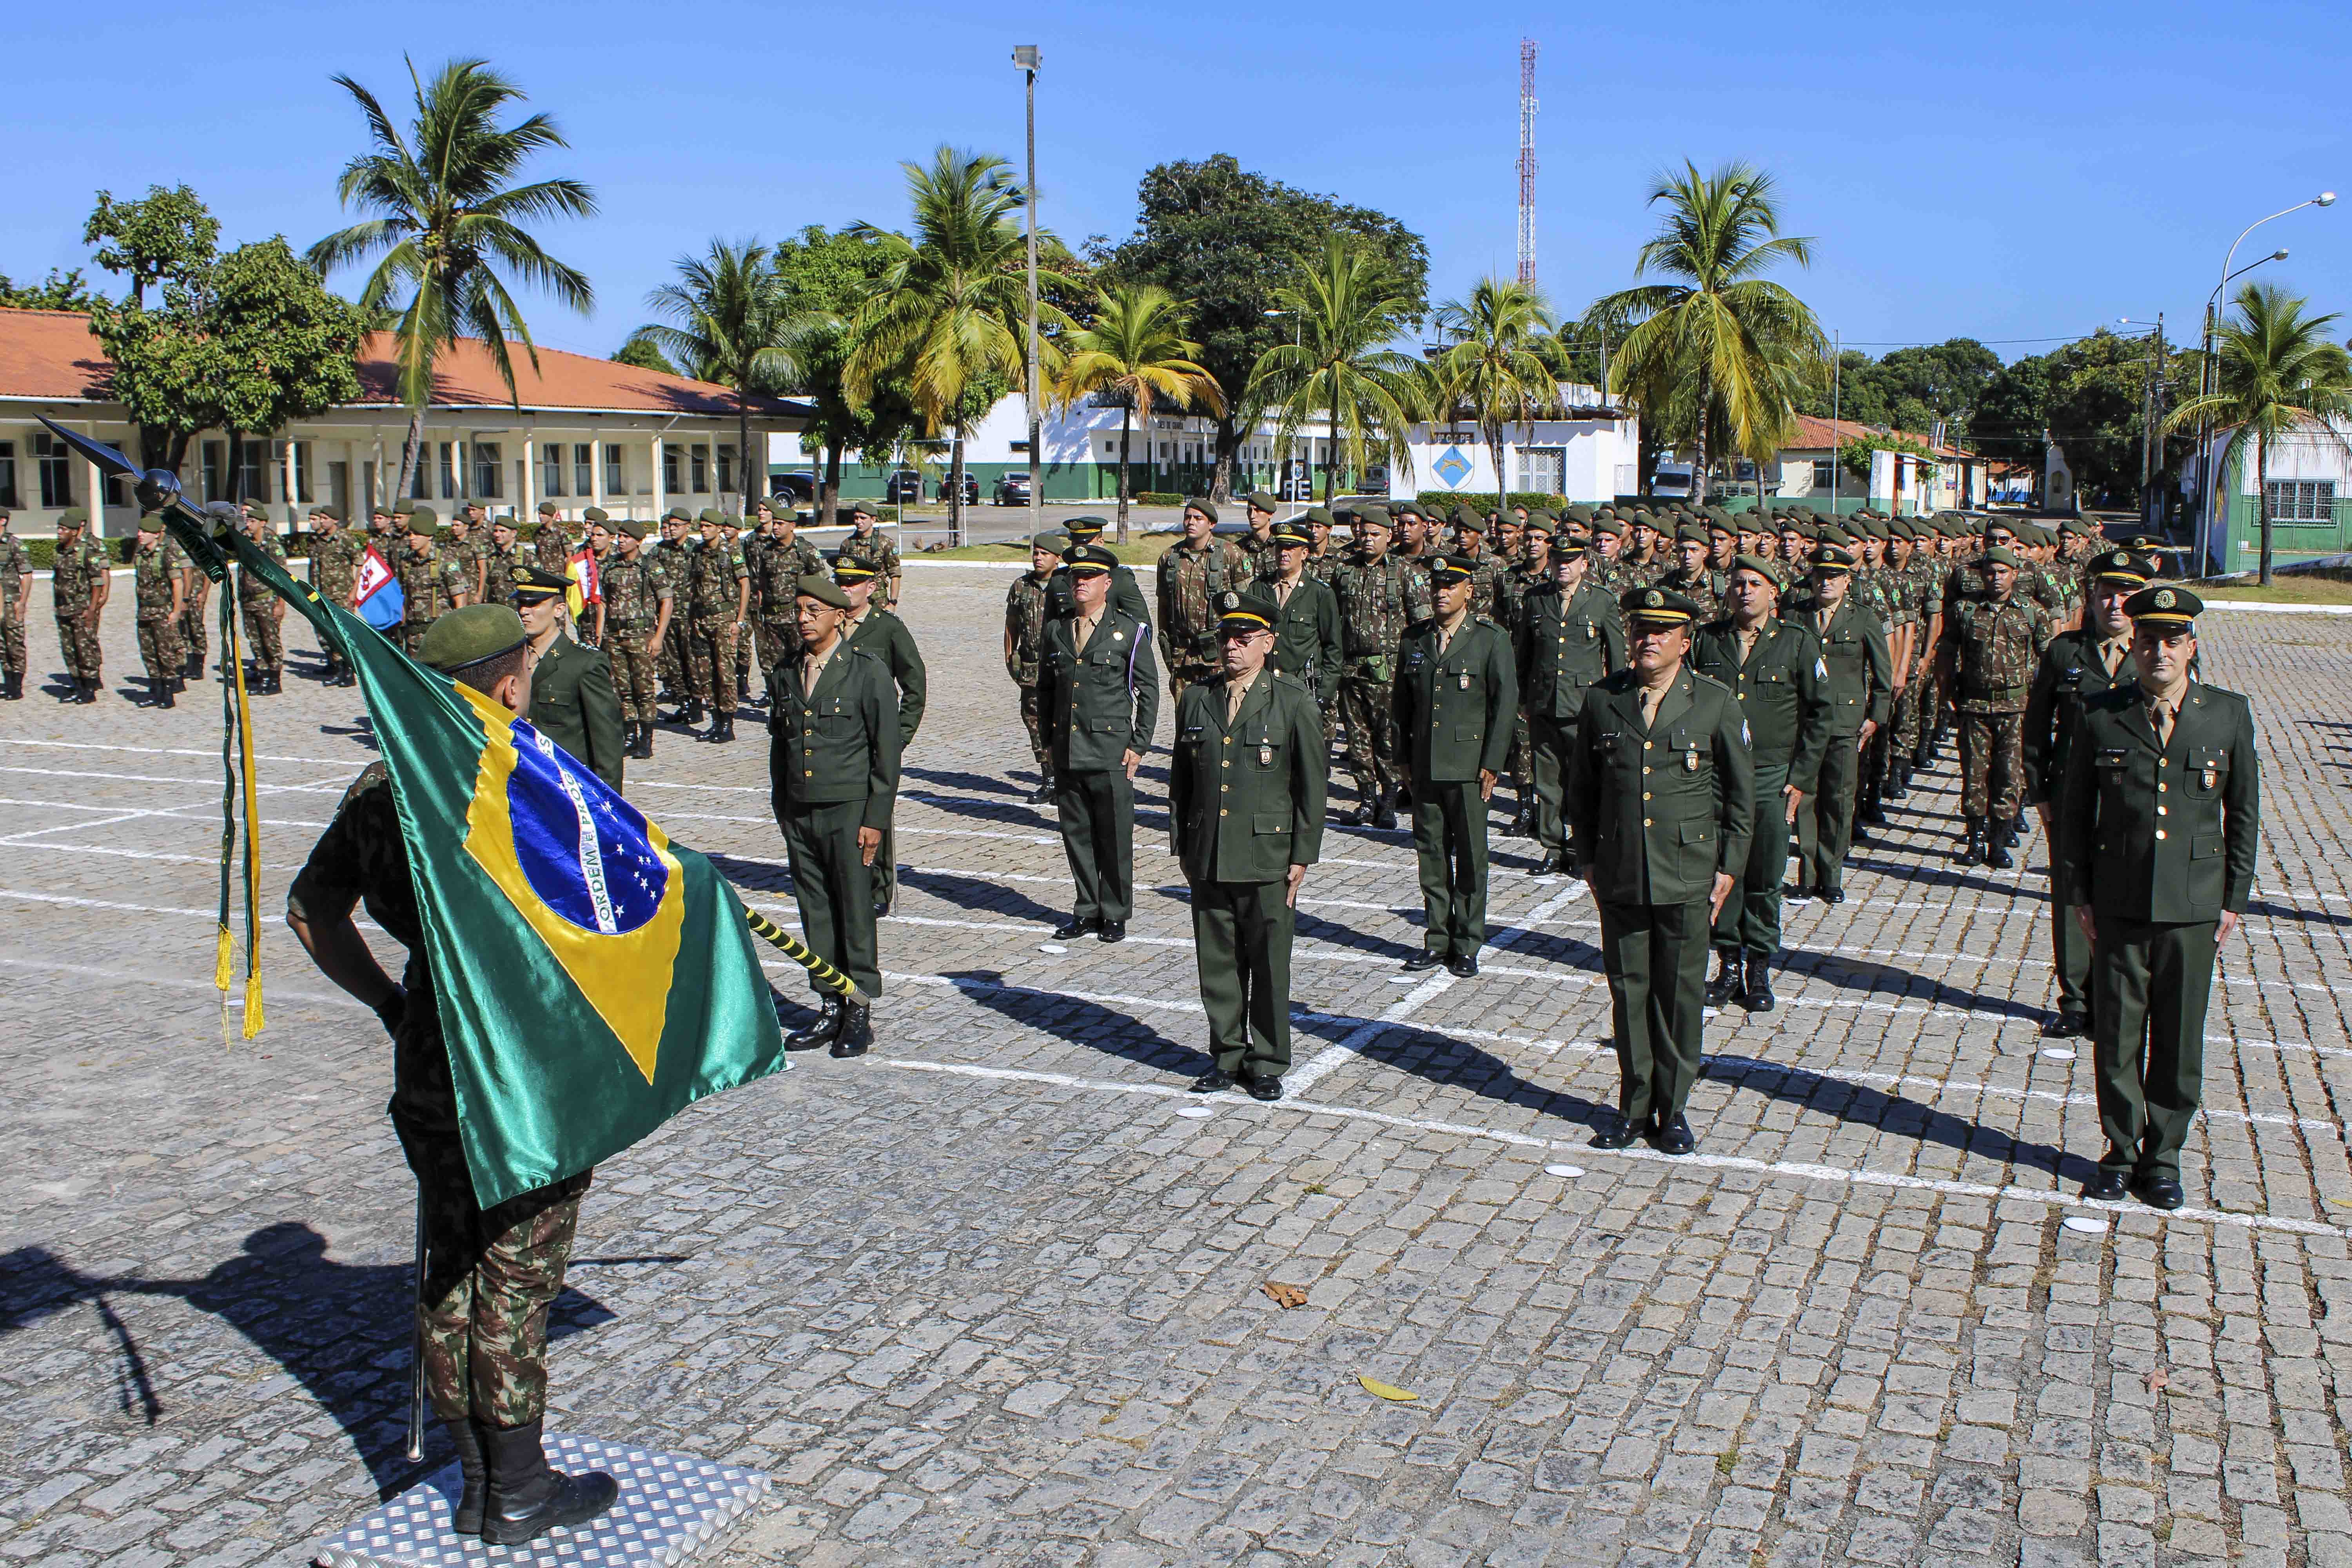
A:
1484,500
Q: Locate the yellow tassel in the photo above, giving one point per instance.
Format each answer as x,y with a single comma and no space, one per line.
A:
221,956
252,1005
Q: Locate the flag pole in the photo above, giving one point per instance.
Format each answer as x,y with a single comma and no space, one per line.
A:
825,973
416,1341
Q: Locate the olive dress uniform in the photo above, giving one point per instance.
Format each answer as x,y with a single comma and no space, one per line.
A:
1246,803
1126,593
2159,839
1097,703
1567,640
1661,808
1307,638
885,635
1782,688
573,704
1453,705
1861,670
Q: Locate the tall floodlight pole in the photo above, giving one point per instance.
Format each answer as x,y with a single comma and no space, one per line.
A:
1025,56
1527,162
1837,387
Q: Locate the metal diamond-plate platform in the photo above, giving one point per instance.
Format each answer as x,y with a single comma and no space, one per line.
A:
670,1507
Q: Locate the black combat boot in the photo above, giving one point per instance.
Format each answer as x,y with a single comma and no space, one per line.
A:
1898,780
857,1035
743,690
1044,792
1972,850
1384,809
820,1032
1727,983
11,686
195,670
466,1513
526,1500
163,696
1997,855
90,689
721,731
1757,997
1872,812
641,741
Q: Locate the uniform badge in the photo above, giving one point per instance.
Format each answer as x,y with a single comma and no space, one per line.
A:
1465,678
1654,599
1229,600
1119,636
2164,599
2212,775
1265,756
1690,760
1744,739
1821,669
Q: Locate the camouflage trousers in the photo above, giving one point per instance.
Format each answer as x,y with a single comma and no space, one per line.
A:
669,665
490,1276
78,645
1992,763
710,659
632,672
159,646
776,638
262,633
1182,673
1038,750
1910,710
1363,707
744,643
193,634
12,645
410,635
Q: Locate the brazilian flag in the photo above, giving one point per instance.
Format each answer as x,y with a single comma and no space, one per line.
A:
595,979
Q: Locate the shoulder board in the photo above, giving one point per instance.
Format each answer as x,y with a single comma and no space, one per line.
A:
1293,682
1705,682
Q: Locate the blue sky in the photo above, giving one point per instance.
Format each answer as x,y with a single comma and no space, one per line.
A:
2013,172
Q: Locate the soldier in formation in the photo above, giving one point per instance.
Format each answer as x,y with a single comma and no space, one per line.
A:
875,630
674,554
1570,635
1860,676
719,596
503,557
158,589
262,612
784,559
1307,618
430,585
1098,701
79,586
16,594
333,567
640,603
1995,641
868,546
1024,646
573,702
1192,578
1126,592
1376,591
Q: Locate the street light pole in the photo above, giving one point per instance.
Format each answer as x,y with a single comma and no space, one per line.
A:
1025,56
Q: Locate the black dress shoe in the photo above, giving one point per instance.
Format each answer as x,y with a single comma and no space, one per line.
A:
1427,958
1832,895
857,1035
2071,1024
1266,1089
2107,1187
1727,983
820,1032
1797,892
1111,931
1074,927
1620,1135
1464,965
1042,794
2159,1192
1675,1137
1216,1080
1757,995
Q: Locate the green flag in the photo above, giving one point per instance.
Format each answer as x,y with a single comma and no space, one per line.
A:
593,978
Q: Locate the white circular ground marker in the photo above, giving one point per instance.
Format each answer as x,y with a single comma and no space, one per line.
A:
1051,947
1572,1172
2058,1053
2089,1224
1402,979
1194,1111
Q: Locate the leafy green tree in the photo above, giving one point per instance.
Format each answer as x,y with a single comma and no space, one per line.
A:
1346,308
2279,374
2090,397
1232,241
644,355
451,227
1137,353
58,291
1722,351
951,308
728,323
826,276
1491,360
162,235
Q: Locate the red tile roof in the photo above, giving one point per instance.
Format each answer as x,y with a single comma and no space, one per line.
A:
53,356
1825,435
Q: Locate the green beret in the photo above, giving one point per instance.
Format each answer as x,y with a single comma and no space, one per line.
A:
1760,566
1607,524
549,509
1083,527
1289,535
1582,514
2000,555
1092,560
1371,512
728,519
848,569
1541,522
2163,607
596,514
332,513
1261,501
1656,606
1247,611
1689,533
1468,521
1202,505
1404,508
468,636
863,509
535,582
678,514
824,590
632,527
1049,541
72,517
1831,558
1316,517
709,514
1720,522
1539,514
421,518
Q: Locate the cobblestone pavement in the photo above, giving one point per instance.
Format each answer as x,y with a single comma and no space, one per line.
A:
994,1295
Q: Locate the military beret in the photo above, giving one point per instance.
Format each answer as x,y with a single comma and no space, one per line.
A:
549,509
1607,523
1793,523
1897,528
849,569
1289,535
1831,558
824,590
1689,533
728,519
1656,607
596,514
1202,505
1721,522
678,514
72,517
2071,526
505,520
1261,501
709,514
1049,541
2122,566
328,510
1468,521
1245,612
1540,514
1451,569
1090,559
863,509
1316,517
2000,555
1083,527
1578,514
1757,564
151,522
535,582
1373,514
2163,607
1541,522
421,518
470,635
632,527
1404,508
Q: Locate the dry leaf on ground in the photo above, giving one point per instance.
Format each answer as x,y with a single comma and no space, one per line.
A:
1385,1390
1284,1296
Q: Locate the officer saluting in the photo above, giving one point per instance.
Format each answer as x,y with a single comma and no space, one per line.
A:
1455,694
1245,818
1098,701
2158,824
1664,800
2076,667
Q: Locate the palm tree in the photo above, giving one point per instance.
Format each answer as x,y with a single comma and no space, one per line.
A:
449,223
948,312
2279,373
729,322
1346,307
1494,362
1723,344
1136,351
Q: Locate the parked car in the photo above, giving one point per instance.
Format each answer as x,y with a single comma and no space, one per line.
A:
1673,482
798,487
970,488
1013,490
904,488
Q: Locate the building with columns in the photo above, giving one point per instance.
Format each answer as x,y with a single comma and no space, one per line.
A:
588,432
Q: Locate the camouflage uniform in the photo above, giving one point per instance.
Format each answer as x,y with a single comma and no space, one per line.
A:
15,586
634,591
79,568
1376,604
1915,585
1996,647
551,548
1024,625
1699,589
490,1275
747,548
258,606
675,563
711,630
467,553
193,635
334,566
775,580
1188,581
429,586
499,568
874,550
154,575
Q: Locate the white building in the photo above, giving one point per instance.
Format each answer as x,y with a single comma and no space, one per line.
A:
1590,454
2305,483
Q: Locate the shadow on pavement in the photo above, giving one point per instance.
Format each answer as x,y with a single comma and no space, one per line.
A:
1082,1022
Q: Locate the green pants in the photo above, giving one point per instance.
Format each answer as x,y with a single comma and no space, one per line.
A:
1372,735
1751,912
1241,942
1548,743
1655,955
1992,763
1825,822
2149,985
78,643
835,889
263,634
1449,836
1098,812
159,646
2070,950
